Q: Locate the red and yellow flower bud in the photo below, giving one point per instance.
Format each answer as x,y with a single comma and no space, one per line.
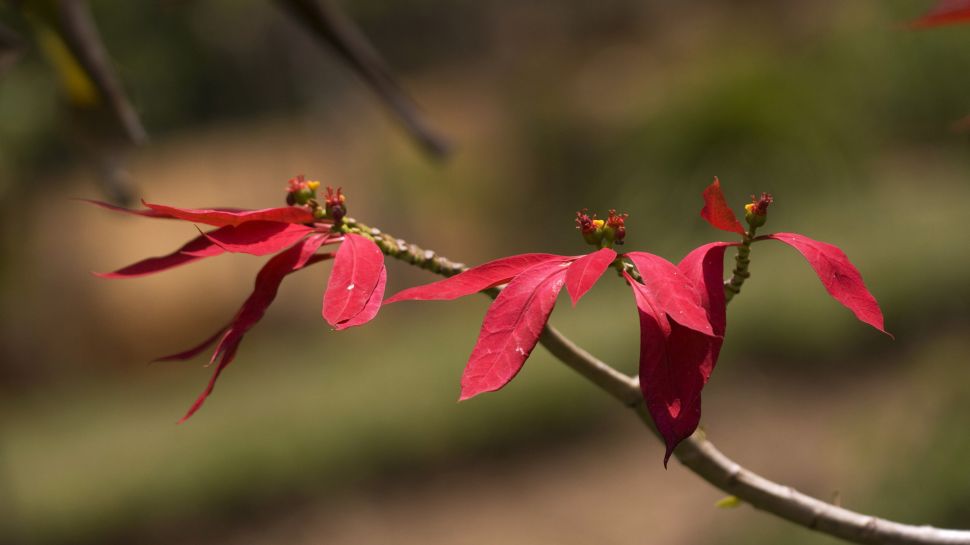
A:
756,213
601,233
300,191
334,204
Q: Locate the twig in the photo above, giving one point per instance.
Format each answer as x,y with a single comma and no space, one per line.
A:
700,455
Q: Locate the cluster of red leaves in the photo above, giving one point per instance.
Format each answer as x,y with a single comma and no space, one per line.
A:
352,297
945,12
681,309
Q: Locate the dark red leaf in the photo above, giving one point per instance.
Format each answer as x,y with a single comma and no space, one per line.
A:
357,270
220,218
264,292
839,276
475,279
198,248
148,213
259,237
512,327
672,291
585,271
716,210
372,306
705,267
195,350
675,363
945,12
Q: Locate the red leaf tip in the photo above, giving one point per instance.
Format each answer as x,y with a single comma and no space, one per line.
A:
716,210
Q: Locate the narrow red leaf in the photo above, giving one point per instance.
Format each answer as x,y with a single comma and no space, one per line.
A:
198,248
148,213
585,271
220,217
675,363
264,292
475,279
512,327
372,306
716,210
259,237
704,266
673,292
839,276
195,350
945,12
357,270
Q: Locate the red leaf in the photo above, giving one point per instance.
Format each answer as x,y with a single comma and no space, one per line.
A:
672,291
357,270
944,12
220,218
475,279
705,267
512,327
266,287
716,210
585,271
259,237
198,248
195,350
372,306
675,363
839,276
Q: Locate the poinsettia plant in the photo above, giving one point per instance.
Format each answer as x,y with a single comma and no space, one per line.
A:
681,308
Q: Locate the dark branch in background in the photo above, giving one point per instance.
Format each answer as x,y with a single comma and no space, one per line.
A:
81,35
10,48
325,20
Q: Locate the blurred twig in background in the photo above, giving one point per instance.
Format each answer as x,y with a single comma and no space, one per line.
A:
329,24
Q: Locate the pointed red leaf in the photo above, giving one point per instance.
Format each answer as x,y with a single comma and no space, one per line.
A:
264,292
148,213
372,306
673,292
716,210
259,237
839,276
198,248
585,271
675,363
220,218
512,327
705,267
195,350
475,279
357,270
945,12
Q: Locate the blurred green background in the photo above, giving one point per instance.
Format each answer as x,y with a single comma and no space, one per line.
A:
314,436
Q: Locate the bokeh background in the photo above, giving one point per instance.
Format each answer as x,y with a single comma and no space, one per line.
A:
850,120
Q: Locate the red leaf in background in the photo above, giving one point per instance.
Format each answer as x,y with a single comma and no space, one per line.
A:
264,292
475,279
258,237
372,306
675,363
198,248
585,271
944,13
512,327
705,267
357,270
716,210
149,213
195,350
839,276
220,218
671,291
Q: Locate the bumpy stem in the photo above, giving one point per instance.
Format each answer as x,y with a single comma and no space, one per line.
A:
697,453
742,259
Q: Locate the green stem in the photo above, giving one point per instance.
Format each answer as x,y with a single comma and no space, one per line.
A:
742,260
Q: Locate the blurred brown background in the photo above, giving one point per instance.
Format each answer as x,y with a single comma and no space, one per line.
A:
318,437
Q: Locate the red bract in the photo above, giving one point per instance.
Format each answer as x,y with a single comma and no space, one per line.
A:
944,12
515,320
353,293
839,276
